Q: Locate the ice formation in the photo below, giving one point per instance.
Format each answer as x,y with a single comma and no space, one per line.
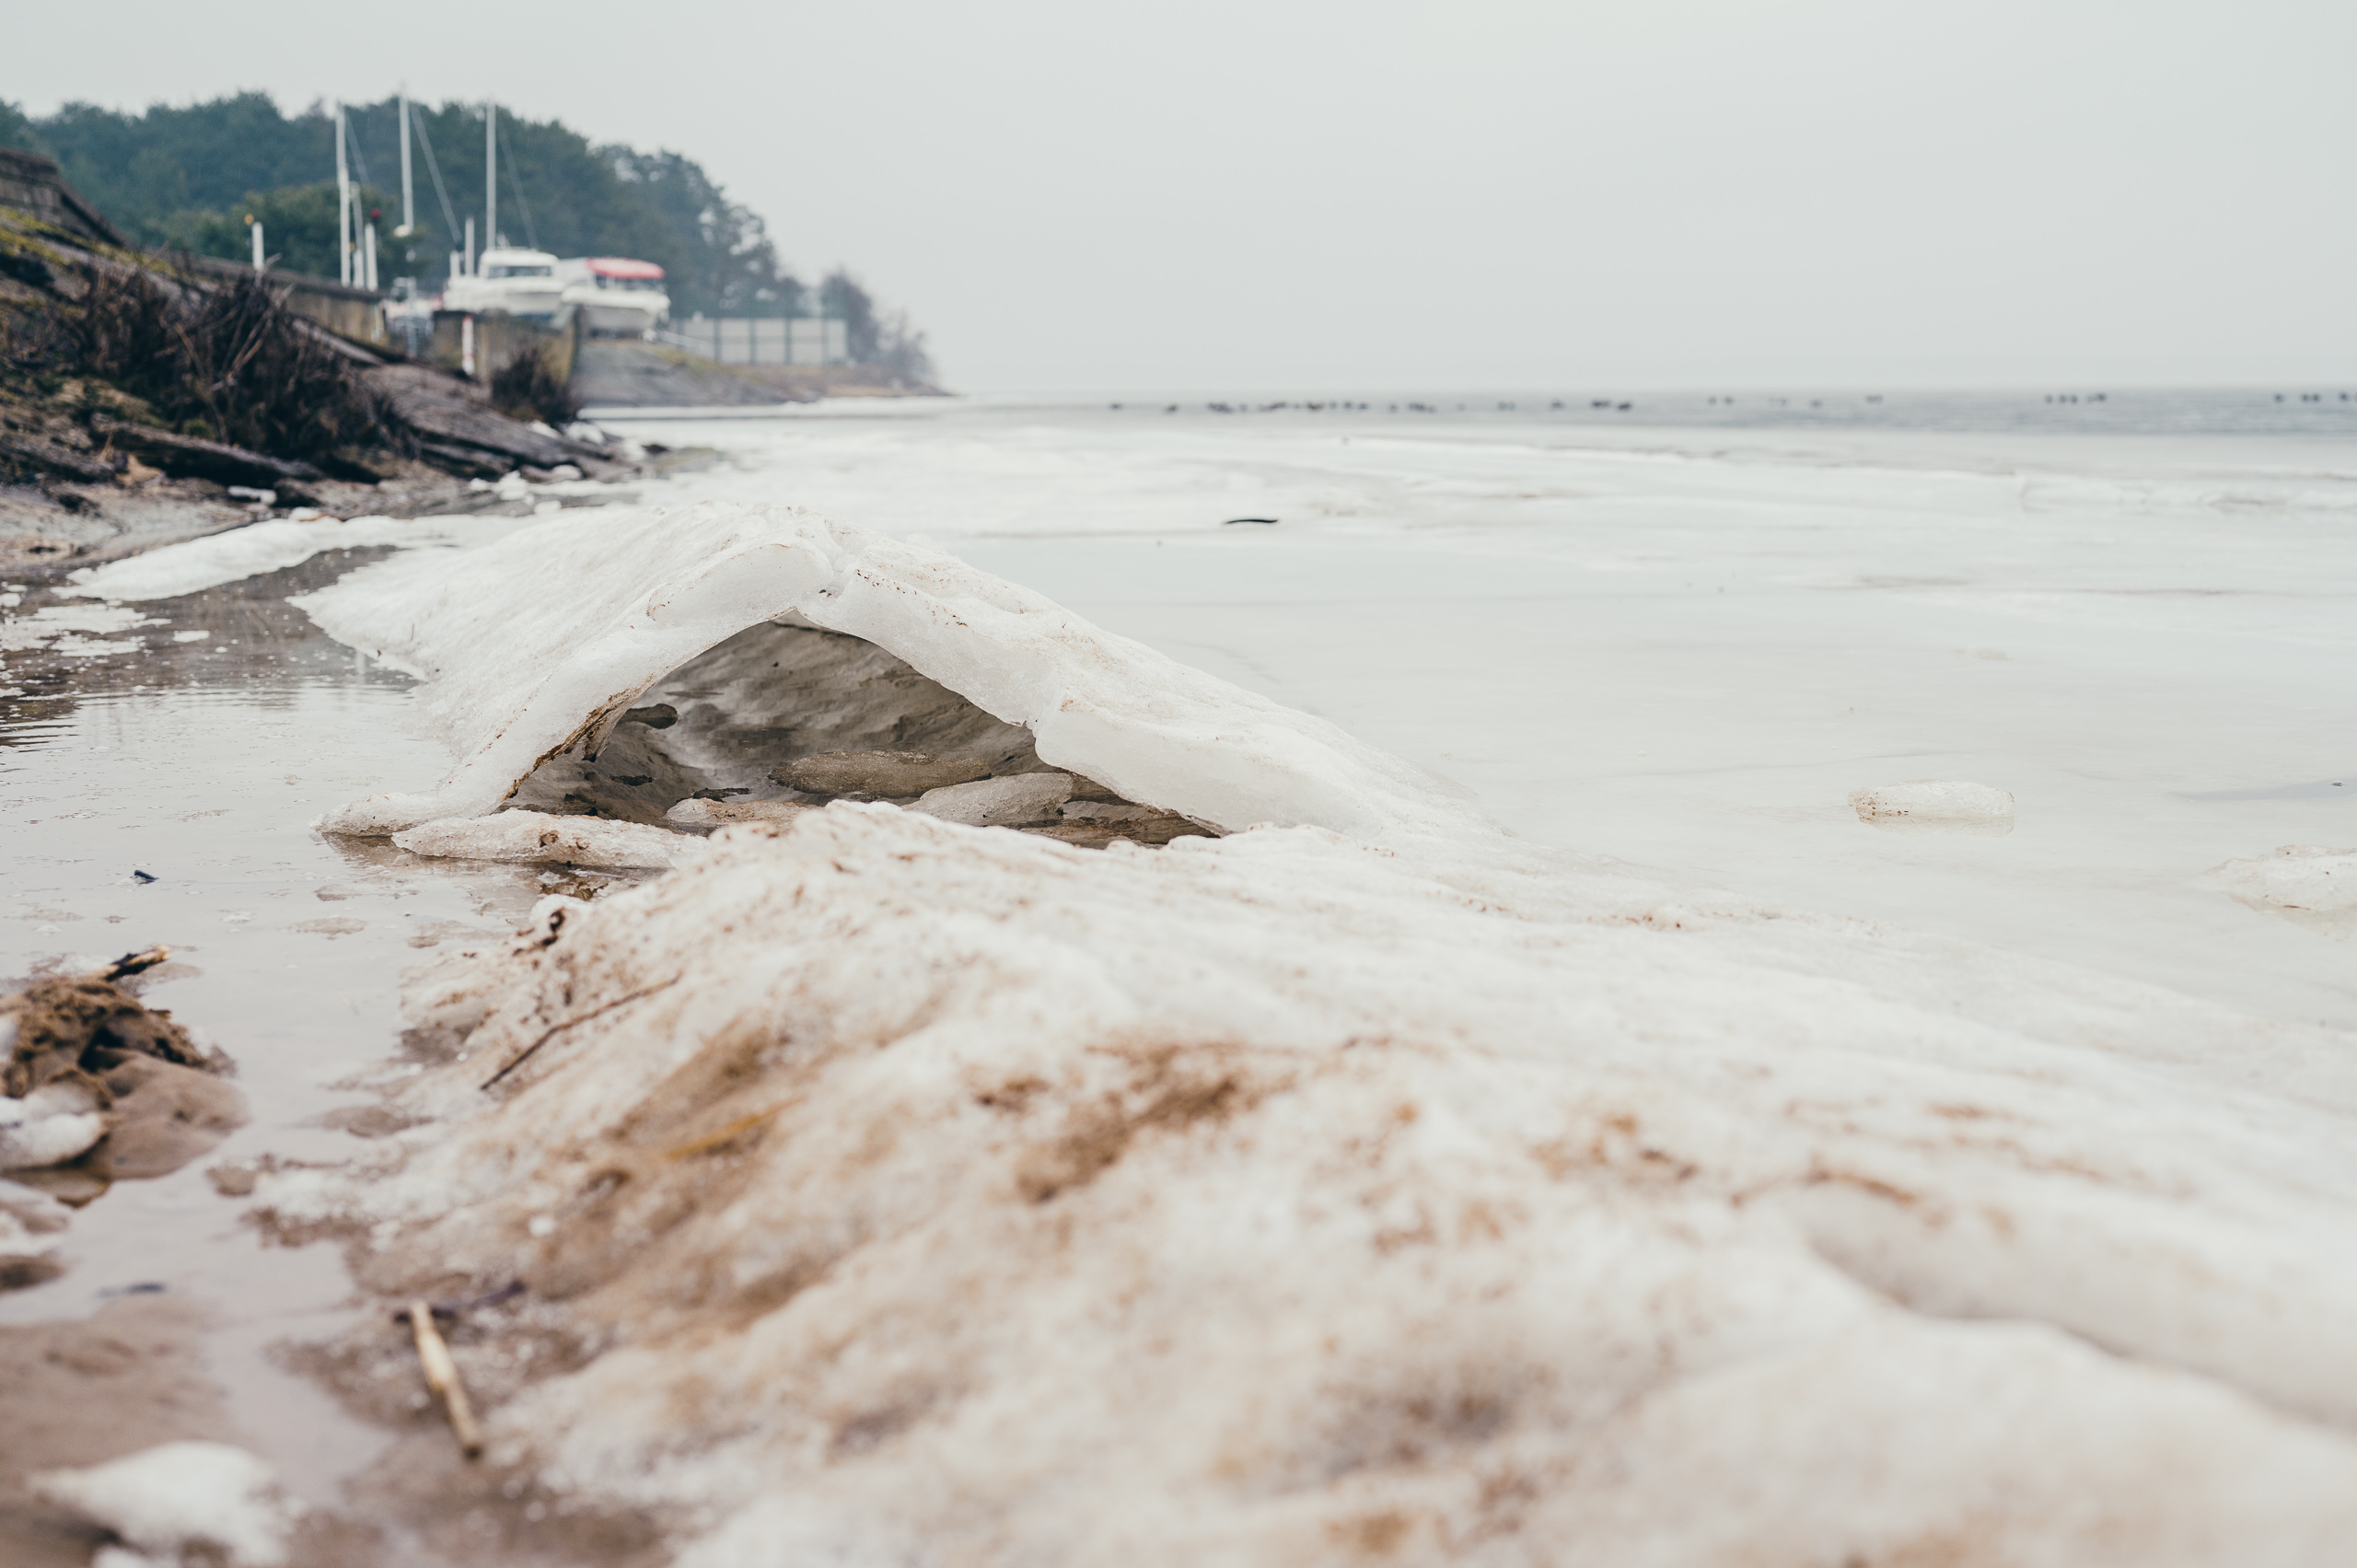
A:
538,648
49,1126
2296,877
1932,801
60,628
226,557
1362,1184
694,812
996,803
182,1502
534,836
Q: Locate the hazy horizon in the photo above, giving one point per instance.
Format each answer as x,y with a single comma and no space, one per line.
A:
1654,197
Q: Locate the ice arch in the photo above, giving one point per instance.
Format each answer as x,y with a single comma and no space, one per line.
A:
536,648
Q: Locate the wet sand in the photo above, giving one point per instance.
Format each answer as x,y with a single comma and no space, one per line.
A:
200,761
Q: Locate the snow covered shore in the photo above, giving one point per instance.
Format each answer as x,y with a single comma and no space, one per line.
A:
1363,1183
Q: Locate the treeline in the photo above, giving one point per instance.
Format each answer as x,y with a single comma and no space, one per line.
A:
186,177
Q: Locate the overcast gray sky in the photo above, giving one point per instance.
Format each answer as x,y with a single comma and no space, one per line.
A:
1222,195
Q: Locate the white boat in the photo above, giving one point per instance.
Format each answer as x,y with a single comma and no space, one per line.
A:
509,282
615,293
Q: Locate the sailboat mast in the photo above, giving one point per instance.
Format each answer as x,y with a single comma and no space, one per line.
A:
342,203
490,175
409,203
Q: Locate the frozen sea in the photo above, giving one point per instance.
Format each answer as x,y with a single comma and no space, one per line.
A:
1678,636
1669,640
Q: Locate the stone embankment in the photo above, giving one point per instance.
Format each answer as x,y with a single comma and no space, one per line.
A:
622,373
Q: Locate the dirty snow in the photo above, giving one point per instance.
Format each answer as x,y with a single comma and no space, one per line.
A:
49,1126
949,1195
2296,877
182,1502
1366,1181
1933,800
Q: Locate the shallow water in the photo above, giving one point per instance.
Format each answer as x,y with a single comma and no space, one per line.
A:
199,762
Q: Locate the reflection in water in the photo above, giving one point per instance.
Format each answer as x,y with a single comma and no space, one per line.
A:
255,643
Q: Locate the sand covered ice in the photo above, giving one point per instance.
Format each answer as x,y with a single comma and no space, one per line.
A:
947,1195
1359,1185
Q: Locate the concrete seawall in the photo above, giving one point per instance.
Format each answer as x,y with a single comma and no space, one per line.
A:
624,373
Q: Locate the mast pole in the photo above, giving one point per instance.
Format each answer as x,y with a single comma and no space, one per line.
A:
342,203
490,175
409,204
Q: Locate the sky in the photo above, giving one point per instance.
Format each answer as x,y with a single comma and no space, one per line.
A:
1469,196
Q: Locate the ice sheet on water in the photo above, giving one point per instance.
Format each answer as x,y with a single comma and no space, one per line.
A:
60,628
257,548
1367,1184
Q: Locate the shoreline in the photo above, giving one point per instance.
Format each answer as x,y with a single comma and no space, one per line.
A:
1117,580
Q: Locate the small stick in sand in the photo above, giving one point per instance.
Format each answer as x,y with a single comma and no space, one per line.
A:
442,1376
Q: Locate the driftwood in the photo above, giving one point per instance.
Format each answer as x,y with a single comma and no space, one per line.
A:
51,456
188,455
450,413
442,1376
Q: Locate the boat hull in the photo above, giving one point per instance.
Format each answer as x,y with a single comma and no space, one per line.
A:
610,310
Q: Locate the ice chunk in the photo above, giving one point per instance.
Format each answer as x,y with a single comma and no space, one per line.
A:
897,774
198,563
1934,801
694,813
60,621
2296,877
51,1126
565,841
178,1500
1010,801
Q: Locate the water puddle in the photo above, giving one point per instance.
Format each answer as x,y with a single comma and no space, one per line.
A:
158,780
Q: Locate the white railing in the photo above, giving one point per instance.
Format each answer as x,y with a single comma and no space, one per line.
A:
759,340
